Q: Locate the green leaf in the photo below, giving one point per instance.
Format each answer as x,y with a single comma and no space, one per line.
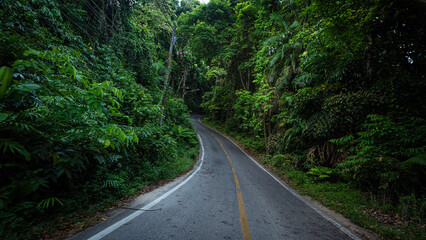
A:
49,202
3,116
420,159
107,143
12,146
27,87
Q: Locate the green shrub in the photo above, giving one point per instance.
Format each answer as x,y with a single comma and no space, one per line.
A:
378,159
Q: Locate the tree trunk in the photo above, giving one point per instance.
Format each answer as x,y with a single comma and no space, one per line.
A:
264,130
184,82
248,79
166,79
269,122
179,86
242,81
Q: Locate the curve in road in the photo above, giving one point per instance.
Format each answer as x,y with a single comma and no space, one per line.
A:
228,196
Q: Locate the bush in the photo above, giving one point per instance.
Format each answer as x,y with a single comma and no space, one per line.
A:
378,160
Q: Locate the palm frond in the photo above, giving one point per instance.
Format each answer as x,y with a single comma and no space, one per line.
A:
294,24
419,159
274,59
271,40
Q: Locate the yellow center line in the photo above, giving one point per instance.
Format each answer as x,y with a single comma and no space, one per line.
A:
243,218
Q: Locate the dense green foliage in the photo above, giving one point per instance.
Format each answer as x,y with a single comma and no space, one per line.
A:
79,122
337,86
332,89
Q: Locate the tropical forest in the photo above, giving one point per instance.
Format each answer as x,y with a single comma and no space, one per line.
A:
96,95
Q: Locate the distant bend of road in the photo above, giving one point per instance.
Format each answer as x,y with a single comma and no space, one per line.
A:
228,195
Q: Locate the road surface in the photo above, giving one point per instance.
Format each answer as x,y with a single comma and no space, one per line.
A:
227,196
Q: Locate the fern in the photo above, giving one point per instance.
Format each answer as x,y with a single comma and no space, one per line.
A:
111,184
419,159
342,140
320,173
305,79
9,145
49,202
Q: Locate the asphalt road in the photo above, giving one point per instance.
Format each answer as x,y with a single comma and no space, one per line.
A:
227,196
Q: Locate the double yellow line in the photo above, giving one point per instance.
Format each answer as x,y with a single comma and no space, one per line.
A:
243,218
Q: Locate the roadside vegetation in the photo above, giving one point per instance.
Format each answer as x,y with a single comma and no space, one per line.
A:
80,104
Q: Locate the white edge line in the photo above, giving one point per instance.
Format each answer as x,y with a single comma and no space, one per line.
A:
292,191
127,219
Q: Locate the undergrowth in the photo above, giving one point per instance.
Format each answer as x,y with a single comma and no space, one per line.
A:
79,212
